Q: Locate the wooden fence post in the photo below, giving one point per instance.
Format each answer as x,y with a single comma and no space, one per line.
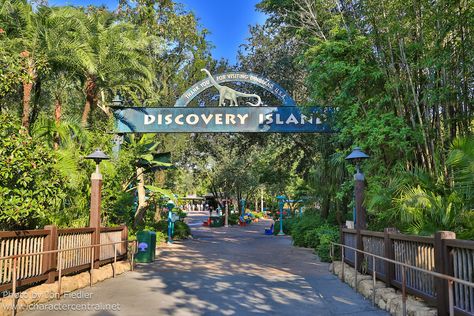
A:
359,246
124,246
388,253
341,237
50,260
442,266
96,241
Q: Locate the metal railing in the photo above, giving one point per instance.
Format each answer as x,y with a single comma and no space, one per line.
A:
16,258
404,268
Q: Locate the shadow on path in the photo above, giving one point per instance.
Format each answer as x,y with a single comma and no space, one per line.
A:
230,271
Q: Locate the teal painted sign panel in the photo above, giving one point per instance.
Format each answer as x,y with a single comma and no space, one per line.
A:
223,120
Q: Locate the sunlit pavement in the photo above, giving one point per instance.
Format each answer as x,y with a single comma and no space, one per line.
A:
225,271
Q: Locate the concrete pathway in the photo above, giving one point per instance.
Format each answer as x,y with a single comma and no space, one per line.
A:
223,271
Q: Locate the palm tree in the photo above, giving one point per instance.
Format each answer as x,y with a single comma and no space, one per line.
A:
45,39
117,59
147,159
19,22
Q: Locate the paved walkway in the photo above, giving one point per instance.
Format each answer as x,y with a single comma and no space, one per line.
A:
226,271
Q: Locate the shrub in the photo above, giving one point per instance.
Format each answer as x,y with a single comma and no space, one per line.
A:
32,189
302,226
233,219
326,234
161,237
181,229
257,214
287,226
182,214
311,238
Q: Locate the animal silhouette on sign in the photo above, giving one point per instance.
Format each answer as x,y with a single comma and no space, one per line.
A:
226,93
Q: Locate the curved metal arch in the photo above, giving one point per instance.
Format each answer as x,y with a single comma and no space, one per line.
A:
267,84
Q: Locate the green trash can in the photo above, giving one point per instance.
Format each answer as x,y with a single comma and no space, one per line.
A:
216,221
146,241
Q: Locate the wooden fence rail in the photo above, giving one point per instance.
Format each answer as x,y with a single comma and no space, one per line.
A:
442,253
44,267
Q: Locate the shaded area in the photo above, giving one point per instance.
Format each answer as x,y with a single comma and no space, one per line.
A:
230,271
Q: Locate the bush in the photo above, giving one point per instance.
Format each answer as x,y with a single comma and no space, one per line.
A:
311,238
302,227
182,214
233,219
181,229
287,226
161,237
326,234
32,190
257,214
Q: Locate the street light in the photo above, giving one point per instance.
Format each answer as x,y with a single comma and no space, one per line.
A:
356,156
170,205
96,188
117,100
98,155
281,202
242,201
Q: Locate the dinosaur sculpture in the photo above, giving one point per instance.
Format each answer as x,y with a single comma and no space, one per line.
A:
226,93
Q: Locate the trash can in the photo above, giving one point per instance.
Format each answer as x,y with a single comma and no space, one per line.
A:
146,246
216,221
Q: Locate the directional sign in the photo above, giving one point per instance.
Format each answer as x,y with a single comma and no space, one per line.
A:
223,120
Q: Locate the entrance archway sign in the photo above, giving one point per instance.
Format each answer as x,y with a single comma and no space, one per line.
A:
287,118
267,84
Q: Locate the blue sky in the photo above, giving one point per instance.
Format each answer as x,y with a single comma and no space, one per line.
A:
227,20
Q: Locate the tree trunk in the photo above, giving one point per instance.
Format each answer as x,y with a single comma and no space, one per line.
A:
57,120
90,89
25,119
27,89
142,204
325,207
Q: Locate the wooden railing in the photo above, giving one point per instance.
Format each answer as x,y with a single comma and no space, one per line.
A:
55,249
441,253
107,236
15,243
462,266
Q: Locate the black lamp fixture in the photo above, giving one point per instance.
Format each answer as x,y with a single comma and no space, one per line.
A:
117,100
356,156
98,155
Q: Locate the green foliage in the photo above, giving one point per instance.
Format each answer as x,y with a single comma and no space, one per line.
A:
301,227
32,189
287,226
325,235
311,231
233,219
181,229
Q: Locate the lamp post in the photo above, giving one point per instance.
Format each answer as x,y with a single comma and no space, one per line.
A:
281,202
170,205
226,213
242,201
356,156
96,195
117,101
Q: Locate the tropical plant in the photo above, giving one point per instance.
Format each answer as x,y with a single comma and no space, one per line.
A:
32,189
115,60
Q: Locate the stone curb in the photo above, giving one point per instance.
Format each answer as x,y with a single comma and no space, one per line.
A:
49,291
386,298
